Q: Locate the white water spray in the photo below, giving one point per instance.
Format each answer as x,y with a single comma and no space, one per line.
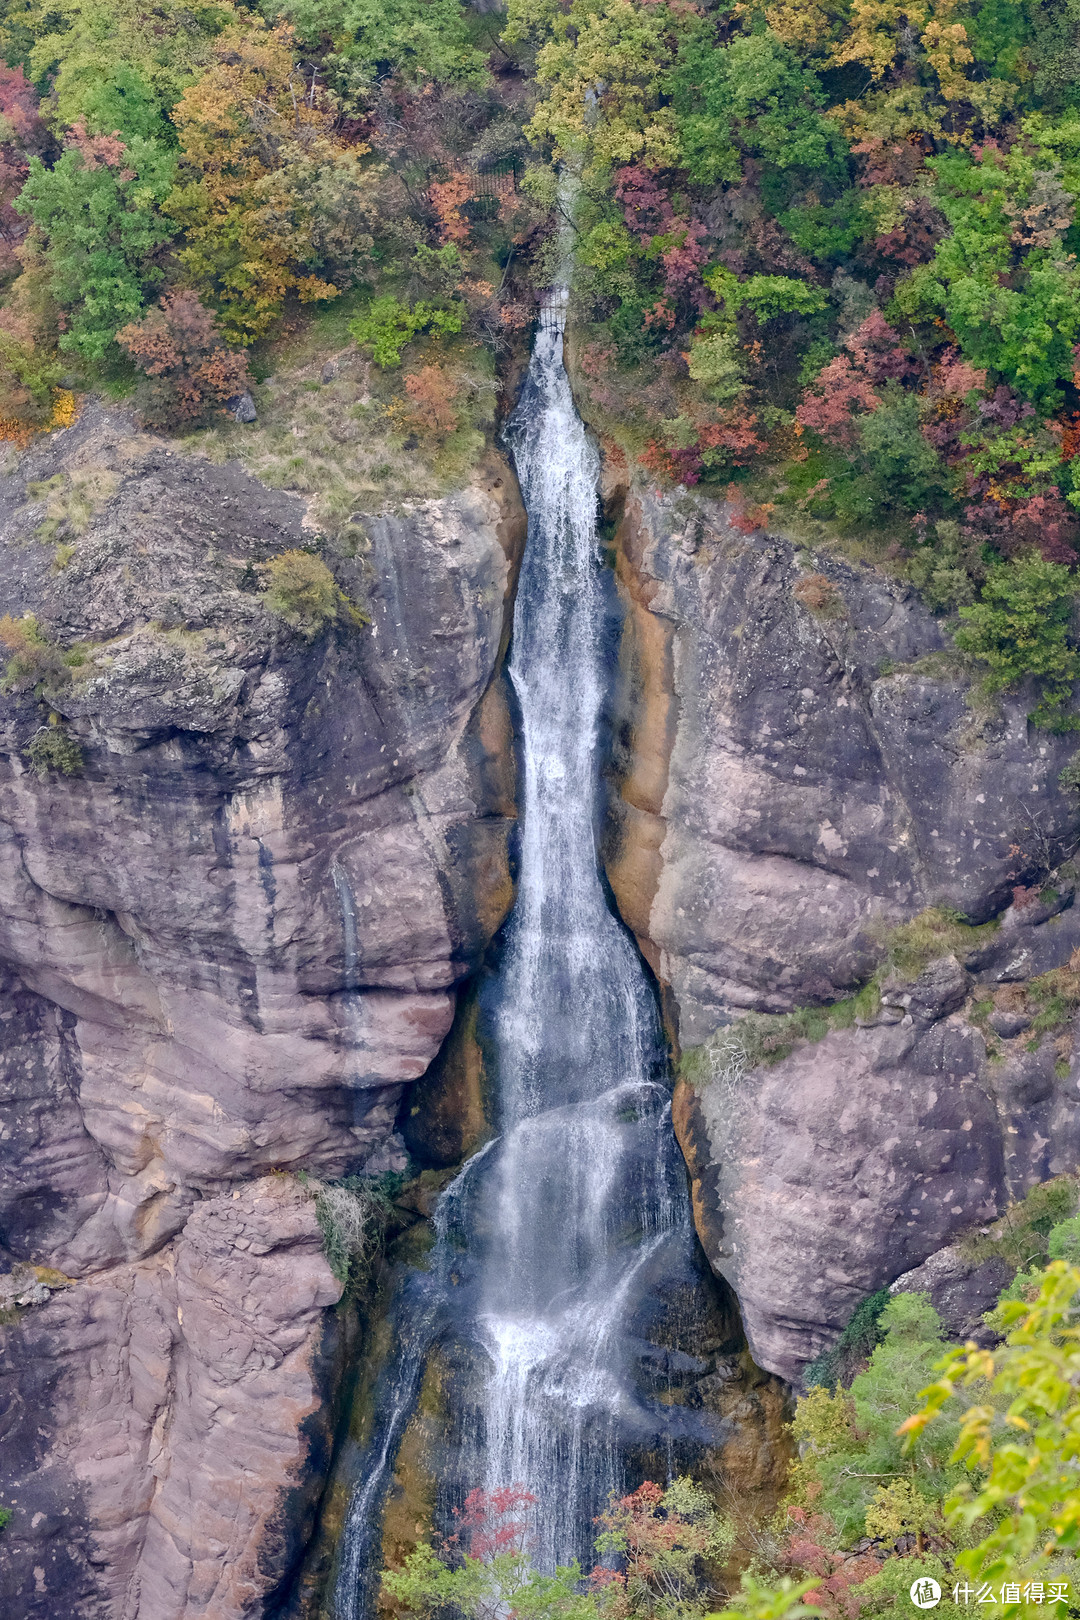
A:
581,1192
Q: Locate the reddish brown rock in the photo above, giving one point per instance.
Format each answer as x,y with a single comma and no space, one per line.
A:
156,1413
227,946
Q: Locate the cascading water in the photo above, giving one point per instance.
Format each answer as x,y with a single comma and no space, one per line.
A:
552,1240
582,1191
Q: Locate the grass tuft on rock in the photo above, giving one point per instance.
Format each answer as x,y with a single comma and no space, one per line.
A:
353,1215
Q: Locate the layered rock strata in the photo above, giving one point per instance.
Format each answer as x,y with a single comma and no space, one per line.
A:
229,941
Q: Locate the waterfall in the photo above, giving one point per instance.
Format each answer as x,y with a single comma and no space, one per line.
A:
582,1191
555,1242
347,905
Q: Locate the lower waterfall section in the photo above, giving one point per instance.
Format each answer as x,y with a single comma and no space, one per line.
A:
565,1290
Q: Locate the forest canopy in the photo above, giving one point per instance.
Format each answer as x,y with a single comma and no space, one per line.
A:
825,251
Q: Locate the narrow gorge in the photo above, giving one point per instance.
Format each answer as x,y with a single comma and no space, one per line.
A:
347,868
539,807
565,1280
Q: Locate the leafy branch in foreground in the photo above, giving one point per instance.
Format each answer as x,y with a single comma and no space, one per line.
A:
1022,1441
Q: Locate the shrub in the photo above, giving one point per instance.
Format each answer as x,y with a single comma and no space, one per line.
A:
33,658
432,391
190,370
854,1345
1069,777
352,1216
810,1548
495,1574
28,372
659,1538
52,749
900,1509
853,1443
818,594
1020,627
304,593
1063,1242
1021,1235
886,1593
387,325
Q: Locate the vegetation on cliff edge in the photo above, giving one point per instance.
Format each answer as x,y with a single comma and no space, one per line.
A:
825,250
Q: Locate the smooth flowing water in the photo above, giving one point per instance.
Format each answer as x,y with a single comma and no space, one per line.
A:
552,1238
583,1188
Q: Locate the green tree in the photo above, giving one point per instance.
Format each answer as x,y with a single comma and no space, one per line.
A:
848,1441
602,67
375,39
119,65
1003,278
1021,1443
271,199
754,97
1020,627
98,213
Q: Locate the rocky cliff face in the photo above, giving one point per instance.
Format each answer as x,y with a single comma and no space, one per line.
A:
228,943
233,938
802,766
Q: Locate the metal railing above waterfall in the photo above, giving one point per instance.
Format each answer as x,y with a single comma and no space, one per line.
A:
495,177
493,180
549,312
552,313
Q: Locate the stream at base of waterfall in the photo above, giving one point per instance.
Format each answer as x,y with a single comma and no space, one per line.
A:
562,1245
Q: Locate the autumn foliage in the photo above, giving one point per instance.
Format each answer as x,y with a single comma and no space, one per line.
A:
448,198
810,1549
21,133
496,1521
190,372
432,392
656,1546
661,1543
271,198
